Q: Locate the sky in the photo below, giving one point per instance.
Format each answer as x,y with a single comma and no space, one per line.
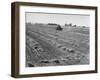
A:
80,20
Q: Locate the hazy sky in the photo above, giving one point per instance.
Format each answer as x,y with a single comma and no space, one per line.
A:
80,20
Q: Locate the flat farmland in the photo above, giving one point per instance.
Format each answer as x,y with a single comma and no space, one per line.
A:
46,46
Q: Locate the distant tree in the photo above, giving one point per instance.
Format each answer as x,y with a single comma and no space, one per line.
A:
70,24
83,26
66,24
52,24
75,25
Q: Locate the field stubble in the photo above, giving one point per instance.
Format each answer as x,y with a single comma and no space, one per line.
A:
47,47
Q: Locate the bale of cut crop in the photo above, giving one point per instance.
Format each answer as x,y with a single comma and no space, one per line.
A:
71,50
31,65
44,61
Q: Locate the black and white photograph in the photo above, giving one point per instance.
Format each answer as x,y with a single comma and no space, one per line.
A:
54,39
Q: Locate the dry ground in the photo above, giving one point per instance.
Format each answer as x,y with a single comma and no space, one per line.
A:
47,47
